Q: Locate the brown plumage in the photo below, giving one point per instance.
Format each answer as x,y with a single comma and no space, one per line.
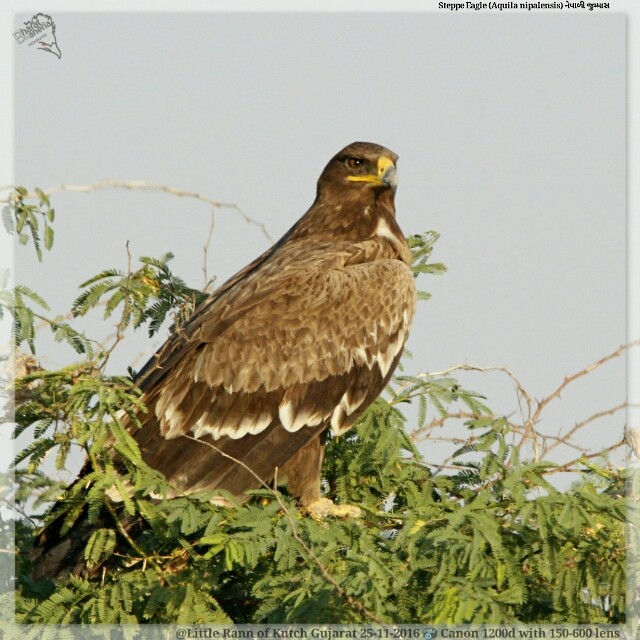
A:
300,341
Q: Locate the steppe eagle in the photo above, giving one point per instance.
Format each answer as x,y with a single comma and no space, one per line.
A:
297,343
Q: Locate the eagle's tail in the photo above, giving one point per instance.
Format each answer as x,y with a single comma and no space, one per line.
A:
55,556
58,553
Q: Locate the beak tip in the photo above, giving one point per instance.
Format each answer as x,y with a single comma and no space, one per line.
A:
390,177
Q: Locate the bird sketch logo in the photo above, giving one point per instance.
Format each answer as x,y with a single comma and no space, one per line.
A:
40,31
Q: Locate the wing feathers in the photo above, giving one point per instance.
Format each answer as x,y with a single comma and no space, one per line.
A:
214,392
260,380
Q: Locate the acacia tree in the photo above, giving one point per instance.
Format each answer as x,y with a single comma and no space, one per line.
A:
483,537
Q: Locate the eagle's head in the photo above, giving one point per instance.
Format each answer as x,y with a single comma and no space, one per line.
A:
360,167
356,190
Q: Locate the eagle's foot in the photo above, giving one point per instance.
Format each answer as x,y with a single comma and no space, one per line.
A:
323,508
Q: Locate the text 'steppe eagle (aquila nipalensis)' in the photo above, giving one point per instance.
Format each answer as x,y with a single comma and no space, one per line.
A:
297,343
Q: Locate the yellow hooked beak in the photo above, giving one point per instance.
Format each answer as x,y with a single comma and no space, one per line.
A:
386,176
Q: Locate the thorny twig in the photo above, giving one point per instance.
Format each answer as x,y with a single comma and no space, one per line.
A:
564,440
531,412
205,248
568,467
143,185
541,404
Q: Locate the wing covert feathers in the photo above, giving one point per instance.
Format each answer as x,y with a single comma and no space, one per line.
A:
301,340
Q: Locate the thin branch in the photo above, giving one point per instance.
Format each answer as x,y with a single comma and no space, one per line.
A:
424,432
143,185
469,367
559,440
541,404
583,372
568,467
521,395
532,412
132,543
443,465
205,248
18,509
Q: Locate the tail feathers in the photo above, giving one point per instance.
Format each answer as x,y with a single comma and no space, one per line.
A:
55,556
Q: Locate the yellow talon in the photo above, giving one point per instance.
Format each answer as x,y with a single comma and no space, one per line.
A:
323,508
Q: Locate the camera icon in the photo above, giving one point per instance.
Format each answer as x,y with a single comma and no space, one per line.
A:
430,633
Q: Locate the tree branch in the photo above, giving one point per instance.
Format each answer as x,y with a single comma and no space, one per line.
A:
143,185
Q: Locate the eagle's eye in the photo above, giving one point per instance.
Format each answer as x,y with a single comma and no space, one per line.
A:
354,163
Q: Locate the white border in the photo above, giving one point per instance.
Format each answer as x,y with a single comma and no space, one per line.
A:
629,7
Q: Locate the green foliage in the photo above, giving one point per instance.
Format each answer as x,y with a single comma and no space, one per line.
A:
489,541
146,295
493,542
421,248
16,302
30,221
